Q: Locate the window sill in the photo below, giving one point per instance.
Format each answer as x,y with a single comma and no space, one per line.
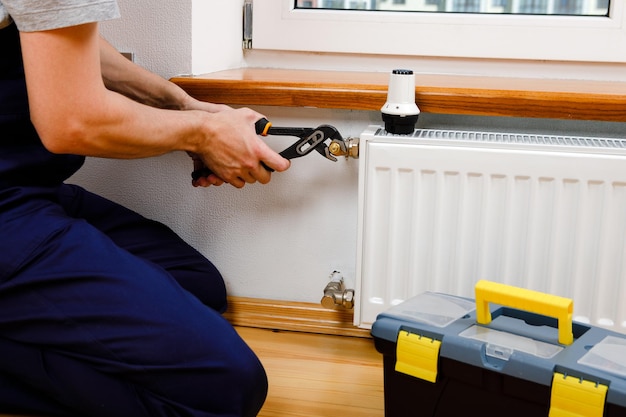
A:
468,95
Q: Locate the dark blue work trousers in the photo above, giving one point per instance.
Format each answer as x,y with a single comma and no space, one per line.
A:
103,313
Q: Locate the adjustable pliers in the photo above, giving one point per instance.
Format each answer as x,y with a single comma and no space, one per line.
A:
323,139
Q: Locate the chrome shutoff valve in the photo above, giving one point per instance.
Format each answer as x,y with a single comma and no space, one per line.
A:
336,295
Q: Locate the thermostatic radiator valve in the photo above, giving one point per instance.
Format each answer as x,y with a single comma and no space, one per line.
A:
336,295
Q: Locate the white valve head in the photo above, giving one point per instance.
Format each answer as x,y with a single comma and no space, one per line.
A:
400,113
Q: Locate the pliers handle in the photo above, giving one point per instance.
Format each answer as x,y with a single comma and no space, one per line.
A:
310,139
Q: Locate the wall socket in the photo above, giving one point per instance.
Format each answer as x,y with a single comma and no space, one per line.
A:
129,55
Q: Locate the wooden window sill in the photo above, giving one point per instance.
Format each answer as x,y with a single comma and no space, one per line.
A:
468,95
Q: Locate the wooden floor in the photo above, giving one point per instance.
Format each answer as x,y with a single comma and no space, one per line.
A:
312,375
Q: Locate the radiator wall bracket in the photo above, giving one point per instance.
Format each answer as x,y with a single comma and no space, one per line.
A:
336,296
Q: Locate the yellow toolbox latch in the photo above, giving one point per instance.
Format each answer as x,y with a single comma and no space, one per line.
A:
575,397
417,355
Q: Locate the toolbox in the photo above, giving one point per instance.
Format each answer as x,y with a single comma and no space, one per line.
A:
511,352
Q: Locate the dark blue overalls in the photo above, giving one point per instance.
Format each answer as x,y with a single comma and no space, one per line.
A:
102,312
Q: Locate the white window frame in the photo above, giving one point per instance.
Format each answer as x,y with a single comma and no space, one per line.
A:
279,26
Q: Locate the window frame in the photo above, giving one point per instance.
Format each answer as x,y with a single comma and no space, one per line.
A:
454,35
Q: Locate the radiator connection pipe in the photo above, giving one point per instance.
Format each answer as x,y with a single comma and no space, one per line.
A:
351,149
336,296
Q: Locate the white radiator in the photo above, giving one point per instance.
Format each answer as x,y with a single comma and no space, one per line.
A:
439,210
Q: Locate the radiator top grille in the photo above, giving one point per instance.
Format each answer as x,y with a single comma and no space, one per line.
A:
512,138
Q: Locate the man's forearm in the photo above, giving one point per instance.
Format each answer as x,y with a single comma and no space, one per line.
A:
125,77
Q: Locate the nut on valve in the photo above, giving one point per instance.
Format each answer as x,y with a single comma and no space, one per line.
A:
328,301
335,149
349,148
348,299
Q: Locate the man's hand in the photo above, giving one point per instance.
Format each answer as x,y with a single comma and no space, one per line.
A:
234,152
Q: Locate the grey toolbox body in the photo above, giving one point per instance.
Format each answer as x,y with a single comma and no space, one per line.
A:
438,361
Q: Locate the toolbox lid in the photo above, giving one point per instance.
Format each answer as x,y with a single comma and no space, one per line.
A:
609,356
432,308
515,342
501,345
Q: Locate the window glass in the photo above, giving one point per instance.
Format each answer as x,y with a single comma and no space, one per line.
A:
535,7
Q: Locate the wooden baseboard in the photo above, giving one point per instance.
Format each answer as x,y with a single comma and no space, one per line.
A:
293,316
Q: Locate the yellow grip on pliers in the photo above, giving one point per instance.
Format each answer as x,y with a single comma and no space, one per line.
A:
262,126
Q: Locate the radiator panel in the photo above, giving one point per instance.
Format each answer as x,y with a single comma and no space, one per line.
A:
440,210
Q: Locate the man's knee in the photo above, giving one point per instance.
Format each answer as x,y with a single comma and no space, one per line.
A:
250,378
229,380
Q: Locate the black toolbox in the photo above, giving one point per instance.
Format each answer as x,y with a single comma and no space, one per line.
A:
513,352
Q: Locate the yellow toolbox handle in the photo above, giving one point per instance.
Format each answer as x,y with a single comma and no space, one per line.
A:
528,300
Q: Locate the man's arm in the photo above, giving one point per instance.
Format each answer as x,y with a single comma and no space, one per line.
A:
79,104
123,76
